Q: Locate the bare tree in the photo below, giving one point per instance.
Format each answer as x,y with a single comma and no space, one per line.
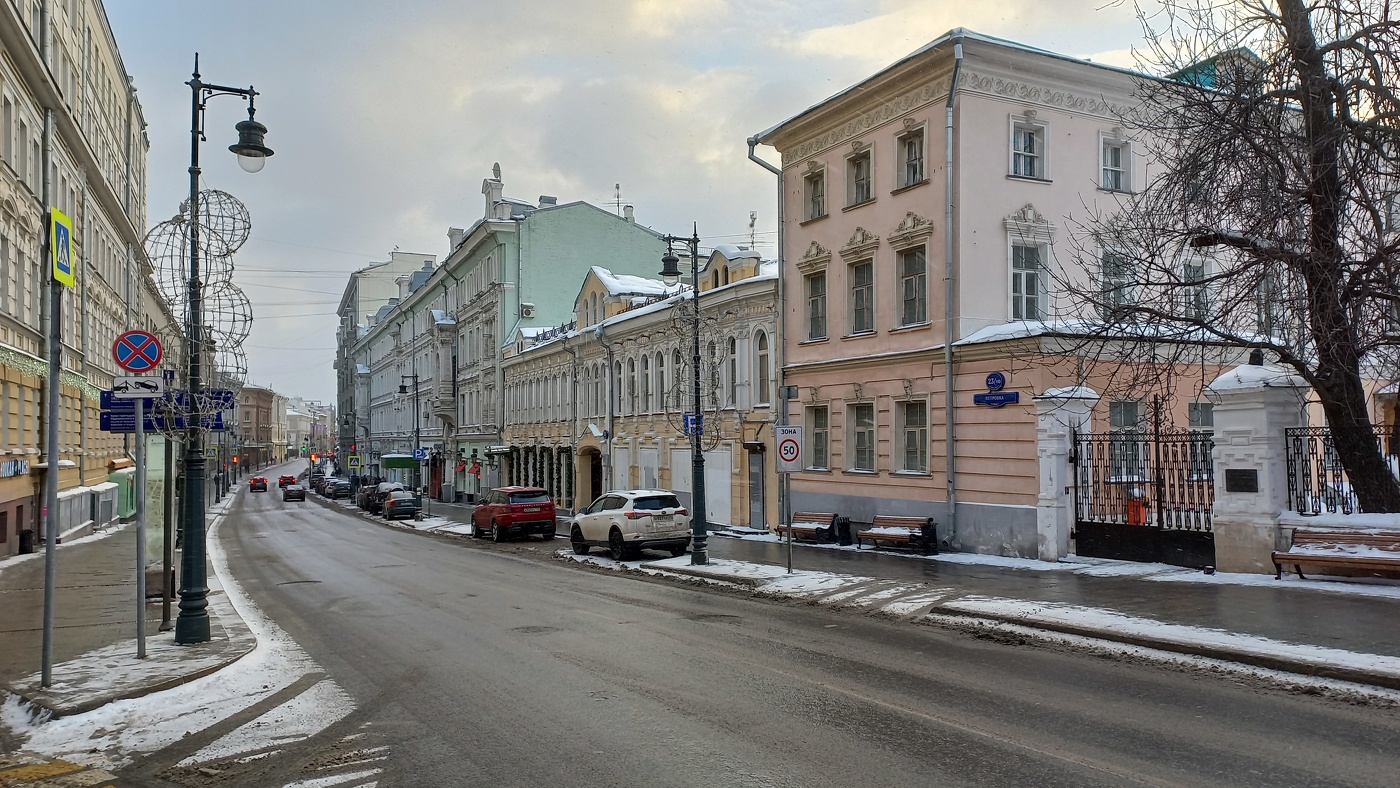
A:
1270,222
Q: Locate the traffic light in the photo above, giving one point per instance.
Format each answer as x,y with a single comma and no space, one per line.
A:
235,459
313,458
352,447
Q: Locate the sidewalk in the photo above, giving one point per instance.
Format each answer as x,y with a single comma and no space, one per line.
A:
94,643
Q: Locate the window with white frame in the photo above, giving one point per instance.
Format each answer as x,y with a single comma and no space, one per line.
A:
661,382
911,158
818,437
1027,282
1200,416
861,418
860,178
1127,452
913,286
1028,151
815,285
1125,415
1268,295
1193,292
1115,161
646,384
731,381
913,416
764,392
862,277
1115,283
814,194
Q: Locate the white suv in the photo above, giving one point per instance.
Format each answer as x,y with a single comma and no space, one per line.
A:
625,521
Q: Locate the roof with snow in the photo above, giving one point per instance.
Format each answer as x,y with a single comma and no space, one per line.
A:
441,318
627,284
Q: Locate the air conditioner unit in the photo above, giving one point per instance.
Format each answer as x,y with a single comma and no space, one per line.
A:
527,311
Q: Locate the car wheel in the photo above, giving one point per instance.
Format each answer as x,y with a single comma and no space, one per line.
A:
677,552
580,546
617,548
496,535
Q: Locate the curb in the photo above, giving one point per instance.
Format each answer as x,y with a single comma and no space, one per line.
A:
1223,653
747,582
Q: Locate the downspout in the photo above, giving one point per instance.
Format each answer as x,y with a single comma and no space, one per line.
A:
779,344
949,290
599,335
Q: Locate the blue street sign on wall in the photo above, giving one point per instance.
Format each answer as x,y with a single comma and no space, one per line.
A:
997,399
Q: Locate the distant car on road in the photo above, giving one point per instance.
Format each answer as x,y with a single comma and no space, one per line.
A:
402,503
627,521
257,484
514,511
283,481
294,492
337,488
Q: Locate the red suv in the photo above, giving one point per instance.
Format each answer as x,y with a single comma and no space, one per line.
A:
514,511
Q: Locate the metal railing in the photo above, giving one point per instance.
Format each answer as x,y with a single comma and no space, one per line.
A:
1162,478
1317,481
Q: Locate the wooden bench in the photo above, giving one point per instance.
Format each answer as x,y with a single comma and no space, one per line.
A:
820,526
1375,550
916,532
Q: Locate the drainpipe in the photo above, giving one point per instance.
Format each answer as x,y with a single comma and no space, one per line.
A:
949,291
779,344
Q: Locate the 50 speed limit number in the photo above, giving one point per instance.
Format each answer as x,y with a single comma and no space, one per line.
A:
788,446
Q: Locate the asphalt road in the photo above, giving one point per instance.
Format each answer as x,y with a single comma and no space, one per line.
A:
493,665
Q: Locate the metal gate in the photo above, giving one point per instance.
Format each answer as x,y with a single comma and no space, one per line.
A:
1144,496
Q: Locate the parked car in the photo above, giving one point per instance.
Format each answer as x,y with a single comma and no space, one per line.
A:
337,488
627,521
514,511
284,480
257,484
402,503
294,492
376,498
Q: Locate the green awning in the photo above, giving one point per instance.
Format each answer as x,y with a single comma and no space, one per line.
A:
398,461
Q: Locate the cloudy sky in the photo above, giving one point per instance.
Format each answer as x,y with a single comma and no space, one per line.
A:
385,117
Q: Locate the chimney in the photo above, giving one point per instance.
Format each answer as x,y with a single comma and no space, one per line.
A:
547,201
402,282
627,214
455,236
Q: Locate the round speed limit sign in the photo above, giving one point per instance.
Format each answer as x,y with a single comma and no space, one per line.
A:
788,443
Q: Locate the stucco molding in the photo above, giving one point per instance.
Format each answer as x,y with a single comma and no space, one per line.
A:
1042,95
861,246
1029,224
816,258
913,231
891,110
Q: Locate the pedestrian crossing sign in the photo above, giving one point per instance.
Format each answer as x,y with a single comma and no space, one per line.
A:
211,452
353,461
61,247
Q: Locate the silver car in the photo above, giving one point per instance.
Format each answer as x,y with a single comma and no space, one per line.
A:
627,521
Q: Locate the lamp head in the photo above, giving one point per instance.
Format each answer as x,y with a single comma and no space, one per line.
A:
670,268
403,388
251,151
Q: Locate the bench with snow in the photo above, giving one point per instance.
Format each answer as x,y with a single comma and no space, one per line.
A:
1374,550
820,526
916,532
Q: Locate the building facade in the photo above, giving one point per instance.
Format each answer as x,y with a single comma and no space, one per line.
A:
599,404
429,365
1036,142
64,90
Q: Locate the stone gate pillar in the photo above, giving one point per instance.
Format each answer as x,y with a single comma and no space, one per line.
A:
1254,404
1059,414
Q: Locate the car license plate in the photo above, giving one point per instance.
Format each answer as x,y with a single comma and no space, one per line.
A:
532,508
661,519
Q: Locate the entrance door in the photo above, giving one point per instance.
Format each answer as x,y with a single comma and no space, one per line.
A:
757,518
595,476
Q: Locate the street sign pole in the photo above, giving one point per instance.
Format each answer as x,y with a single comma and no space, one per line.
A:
59,248
787,441
140,529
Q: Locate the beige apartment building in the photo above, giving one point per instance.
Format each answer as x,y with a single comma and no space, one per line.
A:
63,88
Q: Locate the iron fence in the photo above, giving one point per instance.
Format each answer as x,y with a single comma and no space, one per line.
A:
1162,478
1317,481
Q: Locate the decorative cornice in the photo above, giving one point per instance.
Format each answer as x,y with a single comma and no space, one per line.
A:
862,245
1042,95
912,230
816,258
1029,223
920,96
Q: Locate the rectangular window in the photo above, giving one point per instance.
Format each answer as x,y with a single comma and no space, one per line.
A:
816,306
862,298
1115,166
814,194
1128,451
7,134
1124,415
862,455
1201,416
1026,290
1028,150
911,158
861,187
1268,294
1116,284
818,439
914,416
913,281
1193,295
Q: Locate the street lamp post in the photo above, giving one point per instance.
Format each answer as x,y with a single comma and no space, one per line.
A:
417,436
192,625
671,274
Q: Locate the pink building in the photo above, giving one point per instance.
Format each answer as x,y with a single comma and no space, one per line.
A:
869,255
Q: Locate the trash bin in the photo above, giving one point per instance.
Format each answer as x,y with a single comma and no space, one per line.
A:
26,541
843,531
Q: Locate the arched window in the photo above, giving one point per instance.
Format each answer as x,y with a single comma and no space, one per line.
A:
710,375
732,384
646,384
631,386
661,382
764,394
617,388
593,309
587,392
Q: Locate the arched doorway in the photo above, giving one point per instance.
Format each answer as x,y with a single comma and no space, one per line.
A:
590,476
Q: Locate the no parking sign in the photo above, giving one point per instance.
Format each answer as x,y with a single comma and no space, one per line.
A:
788,446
